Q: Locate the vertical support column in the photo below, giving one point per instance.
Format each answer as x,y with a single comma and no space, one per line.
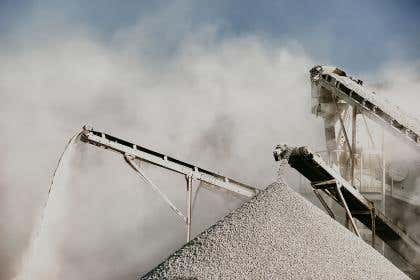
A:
343,128
329,157
392,186
189,205
383,171
361,171
353,143
373,224
383,181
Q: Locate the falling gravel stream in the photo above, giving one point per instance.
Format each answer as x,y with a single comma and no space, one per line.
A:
59,180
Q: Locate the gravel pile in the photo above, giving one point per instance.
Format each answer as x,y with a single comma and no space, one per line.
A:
276,235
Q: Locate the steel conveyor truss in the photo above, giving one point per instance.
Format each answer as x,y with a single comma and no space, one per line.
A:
352,91
132,152
327,180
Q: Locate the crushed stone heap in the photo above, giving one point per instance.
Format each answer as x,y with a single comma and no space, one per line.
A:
276,235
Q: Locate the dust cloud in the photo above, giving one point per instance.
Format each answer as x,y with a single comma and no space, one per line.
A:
222,104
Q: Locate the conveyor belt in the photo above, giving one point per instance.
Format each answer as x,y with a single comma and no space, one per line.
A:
375,107
124,147
131,151
328,180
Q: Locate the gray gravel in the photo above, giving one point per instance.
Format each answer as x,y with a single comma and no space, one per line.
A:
276,235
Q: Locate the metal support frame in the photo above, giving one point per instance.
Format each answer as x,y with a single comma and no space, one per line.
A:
383,173
377,109
123,147
372,143
187,219
342,87
315,169
330,195
353,143
130,160
361,171
343,127
346,137
189,206
349,215
373,229
345,119
321,184
132,152
324,203
195,196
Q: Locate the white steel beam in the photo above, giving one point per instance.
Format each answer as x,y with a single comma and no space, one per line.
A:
126,148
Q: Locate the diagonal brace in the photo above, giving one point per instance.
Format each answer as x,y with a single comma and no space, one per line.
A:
130,161
324,203
349,215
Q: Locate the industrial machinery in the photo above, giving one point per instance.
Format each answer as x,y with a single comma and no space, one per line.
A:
358,177
327,180
336,96
133,153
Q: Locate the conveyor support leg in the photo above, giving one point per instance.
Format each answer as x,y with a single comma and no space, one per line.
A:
353,223
373,218
324,203
189,206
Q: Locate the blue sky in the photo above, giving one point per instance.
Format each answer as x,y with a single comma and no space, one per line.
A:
358,35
